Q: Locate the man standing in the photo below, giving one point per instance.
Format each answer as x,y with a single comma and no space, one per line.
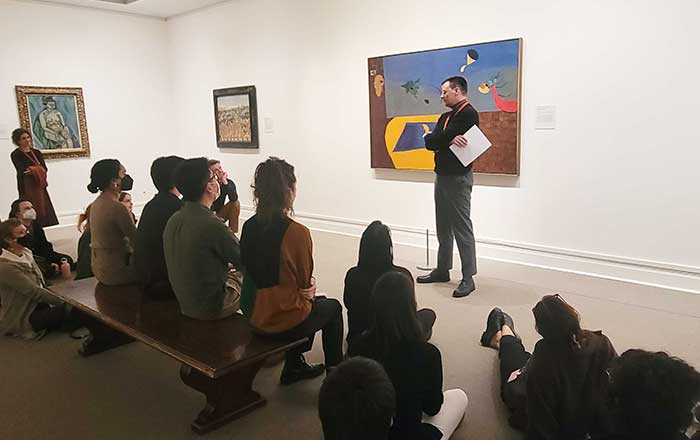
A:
231,211
199,249
453,187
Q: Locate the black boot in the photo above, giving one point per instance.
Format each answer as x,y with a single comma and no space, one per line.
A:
300,370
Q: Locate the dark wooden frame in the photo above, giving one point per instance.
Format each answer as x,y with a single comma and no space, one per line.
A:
233,91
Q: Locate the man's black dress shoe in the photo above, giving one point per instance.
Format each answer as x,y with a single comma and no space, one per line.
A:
464,289
301,371
434,277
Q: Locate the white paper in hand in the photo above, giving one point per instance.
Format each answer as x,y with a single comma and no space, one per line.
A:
478,143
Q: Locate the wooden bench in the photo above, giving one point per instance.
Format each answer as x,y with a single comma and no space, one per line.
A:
219,358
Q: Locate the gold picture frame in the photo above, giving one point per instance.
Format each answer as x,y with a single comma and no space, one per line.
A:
55,116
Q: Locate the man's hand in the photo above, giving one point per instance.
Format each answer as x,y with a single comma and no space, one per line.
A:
460,141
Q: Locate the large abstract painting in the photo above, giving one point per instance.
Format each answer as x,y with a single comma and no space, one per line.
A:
405,102
55,116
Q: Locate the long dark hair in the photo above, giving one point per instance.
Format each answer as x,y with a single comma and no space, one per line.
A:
394,310
558,322
272,187
14,208
376,248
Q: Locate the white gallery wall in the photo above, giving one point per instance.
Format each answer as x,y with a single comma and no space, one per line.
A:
121,63
612,191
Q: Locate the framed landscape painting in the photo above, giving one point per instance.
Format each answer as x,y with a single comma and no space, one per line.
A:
55,116
236,116
404,103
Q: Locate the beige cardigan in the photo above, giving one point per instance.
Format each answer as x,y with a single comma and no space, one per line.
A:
113,232
22,287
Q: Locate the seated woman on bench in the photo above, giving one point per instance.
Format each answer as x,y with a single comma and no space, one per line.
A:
279,293
28,309
111,226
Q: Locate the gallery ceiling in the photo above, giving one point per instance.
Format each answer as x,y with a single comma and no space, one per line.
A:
154,8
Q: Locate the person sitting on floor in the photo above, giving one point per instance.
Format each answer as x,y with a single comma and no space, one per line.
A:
126,200
28,309
199,248
357,401
396,340
376,258
558,392
279,295
229,211
112,228
149,258
48,260
652,396
83,267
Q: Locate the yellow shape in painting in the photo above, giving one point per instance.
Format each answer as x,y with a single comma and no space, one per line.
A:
420,159
483,88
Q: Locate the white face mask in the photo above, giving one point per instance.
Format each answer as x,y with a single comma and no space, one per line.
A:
29,214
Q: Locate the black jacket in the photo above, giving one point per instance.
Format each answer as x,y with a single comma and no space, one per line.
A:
446,163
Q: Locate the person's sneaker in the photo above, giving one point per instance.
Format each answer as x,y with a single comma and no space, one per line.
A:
464,289
434,277
493,325
301,371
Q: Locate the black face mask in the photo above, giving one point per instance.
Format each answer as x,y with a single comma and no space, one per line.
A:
127,183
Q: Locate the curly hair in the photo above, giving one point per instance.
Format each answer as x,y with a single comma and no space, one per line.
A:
357,401
653,394
274,180
17,135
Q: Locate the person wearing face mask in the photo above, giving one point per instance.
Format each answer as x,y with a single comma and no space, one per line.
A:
49,261
202,256
31,177
111,226
149,258
28,309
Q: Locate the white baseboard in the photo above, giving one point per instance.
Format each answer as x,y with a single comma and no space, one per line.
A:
644,272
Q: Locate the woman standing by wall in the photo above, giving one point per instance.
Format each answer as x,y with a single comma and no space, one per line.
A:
31,177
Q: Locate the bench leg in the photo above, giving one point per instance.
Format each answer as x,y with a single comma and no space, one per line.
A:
228,397
101,338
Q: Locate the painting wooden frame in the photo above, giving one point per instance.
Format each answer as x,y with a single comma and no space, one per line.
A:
404,103
236,117
55,116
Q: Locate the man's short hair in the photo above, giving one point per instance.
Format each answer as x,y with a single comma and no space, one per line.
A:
191,178
213,162
357,401
652,394
163,172
458,82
